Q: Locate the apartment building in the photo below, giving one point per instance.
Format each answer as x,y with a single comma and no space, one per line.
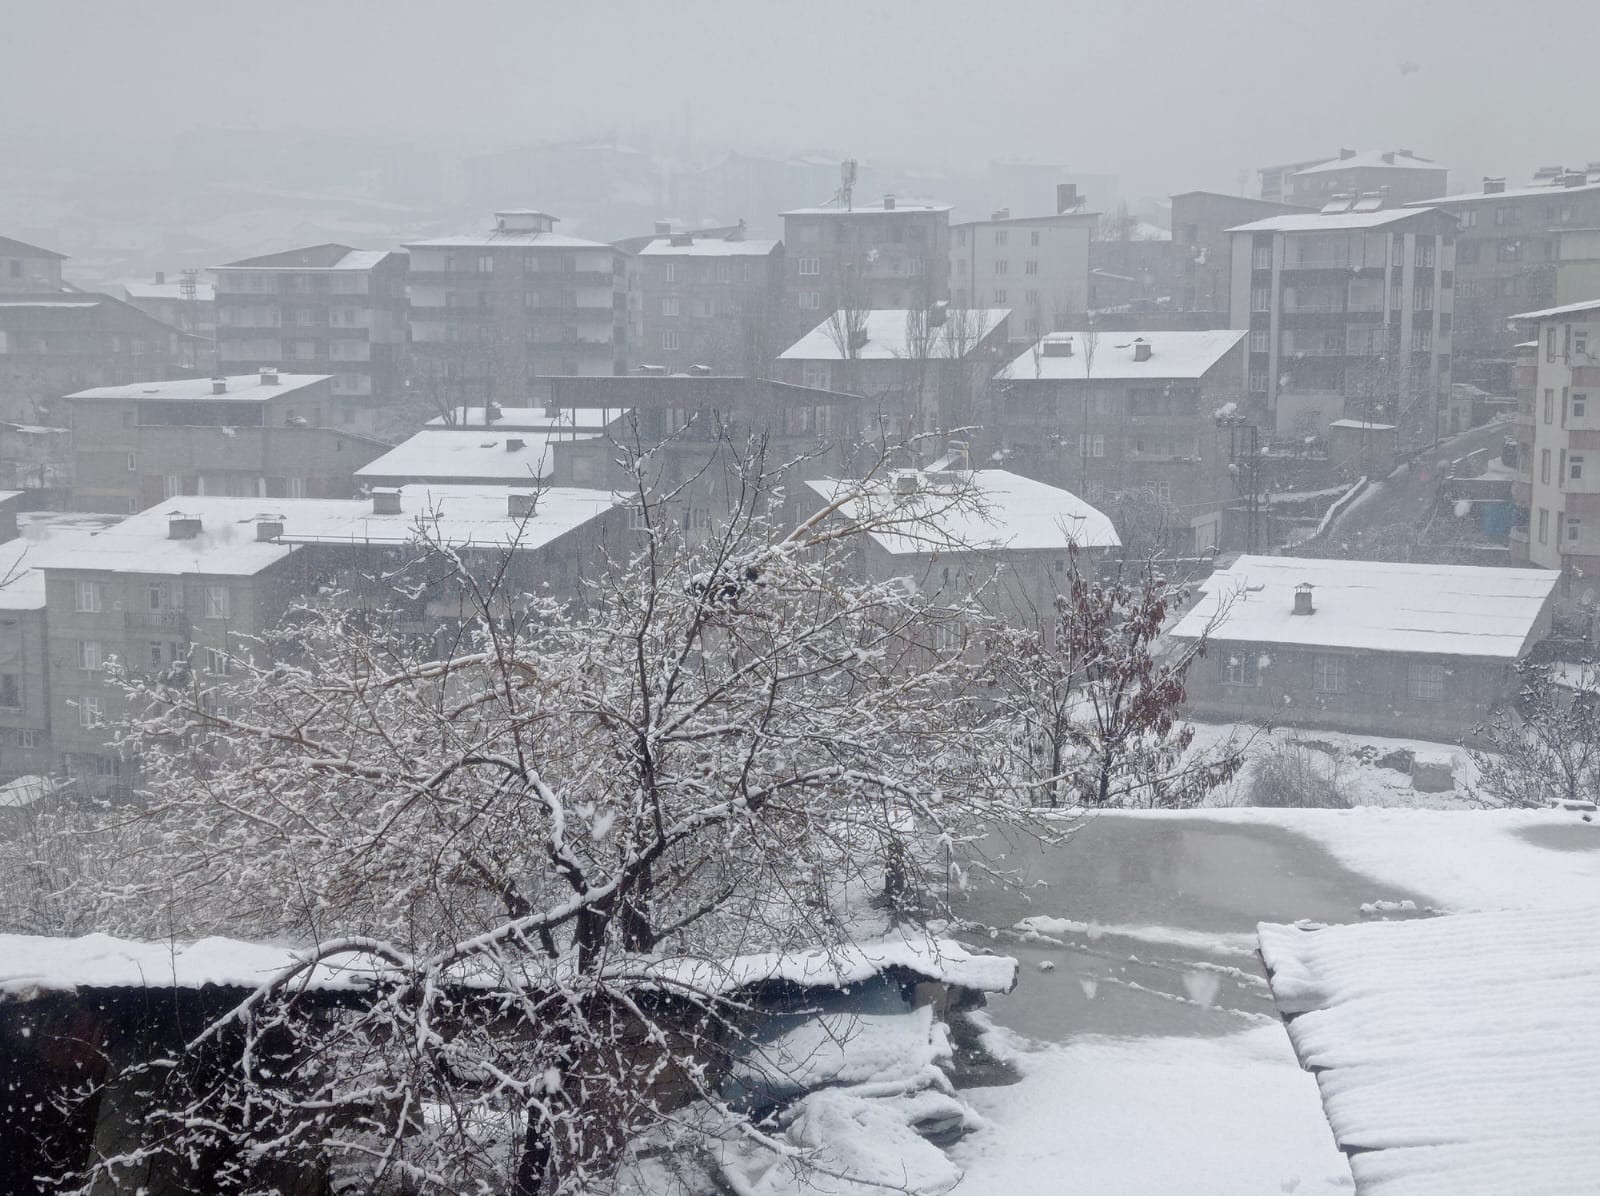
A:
1127,420
1399,174
1202,246
1037,266
1556,495
923,369
322,309
708,299
55,338
261,434
186,589
494,315
189,304
893,254
1508,252
1350,314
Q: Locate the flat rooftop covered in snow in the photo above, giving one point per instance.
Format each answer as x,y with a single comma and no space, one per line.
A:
470,455
1381,606
1455,1055
708,247
978,510
897,333
462,516
1116,356
240,387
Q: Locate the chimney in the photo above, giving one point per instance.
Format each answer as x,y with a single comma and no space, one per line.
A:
681,239
1575,178
1493,186
905,485
1302,599
552,411
182,527
1058,346
386,502
858,339
269,527
888,203
959,453
1141,349
663,228
515,444
938,313
1346,153
1405,153
521,506
161,277
1388,157
699,370
269,375
1066,196
219,385
1000,214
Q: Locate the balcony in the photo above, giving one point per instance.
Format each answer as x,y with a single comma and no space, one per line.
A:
157,620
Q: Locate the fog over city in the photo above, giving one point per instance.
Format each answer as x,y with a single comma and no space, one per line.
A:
799,599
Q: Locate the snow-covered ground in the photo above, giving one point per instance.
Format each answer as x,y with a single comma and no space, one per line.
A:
1152,1059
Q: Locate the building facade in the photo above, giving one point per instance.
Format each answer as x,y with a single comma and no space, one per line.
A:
1202,247
188,304
1127,421
894,254
261,435
708,300
1508,250
1038,266
1556,494
494,315
1350,314
325,309
1399,174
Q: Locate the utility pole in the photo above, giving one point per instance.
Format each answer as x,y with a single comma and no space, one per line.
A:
1244,463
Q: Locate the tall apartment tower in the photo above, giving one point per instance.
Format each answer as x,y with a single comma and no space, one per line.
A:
495,314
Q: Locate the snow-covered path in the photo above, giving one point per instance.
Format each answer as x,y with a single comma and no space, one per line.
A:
1152,1060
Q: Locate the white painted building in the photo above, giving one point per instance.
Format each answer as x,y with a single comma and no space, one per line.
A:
1038,266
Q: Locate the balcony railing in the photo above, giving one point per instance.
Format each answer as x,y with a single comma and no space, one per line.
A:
155,620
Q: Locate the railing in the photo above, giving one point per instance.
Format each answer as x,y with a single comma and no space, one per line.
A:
156,620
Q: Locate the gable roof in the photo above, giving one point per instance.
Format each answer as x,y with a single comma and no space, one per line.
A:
1312,222
1566,309
11,247
1372,160
1380,606
891,331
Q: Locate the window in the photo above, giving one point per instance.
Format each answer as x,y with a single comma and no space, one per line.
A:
217,662
810,300
1240,669
91,656
1425,682
171,486
638,518
10,692
669,306
815,375
1580,405
1575,467
1001,265
1549,404
1572,528
1422,339
672,271
999,236
28,738
485,263
1033,237
89,597
107,768
1330,674
1261,299
156,654
133,462
1580,342
91,711
809,265
1544,467
1032,268
1261,257
699,519
1422,299
1544,522
1260,340
999,296
1091,446
1550,346
708,308
217,602
1258,381
1425,251
669,340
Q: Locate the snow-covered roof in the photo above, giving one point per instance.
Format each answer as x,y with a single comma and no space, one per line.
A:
890,332
470,454
352,259
872,209
529,419
203,291
53,304
980,510
1361,425
241,387
1381,606
462,516
227,544
1316,222
1567,309
33,965
708,247
1372,160
1549,190
21,585
515,240
1455,1055
1172,355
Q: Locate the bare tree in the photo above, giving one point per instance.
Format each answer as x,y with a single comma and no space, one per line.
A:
1545,750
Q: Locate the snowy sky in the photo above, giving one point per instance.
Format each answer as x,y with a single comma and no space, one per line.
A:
1170,94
